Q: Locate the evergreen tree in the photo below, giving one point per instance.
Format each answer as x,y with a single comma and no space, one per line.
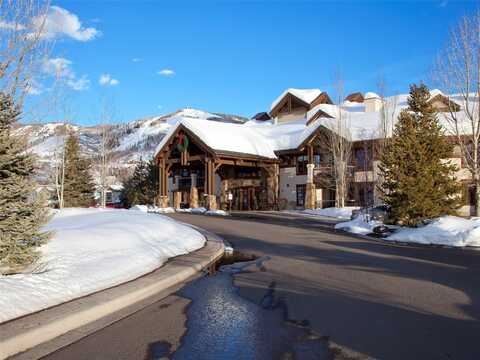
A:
78,184
21,213
141,187
418,184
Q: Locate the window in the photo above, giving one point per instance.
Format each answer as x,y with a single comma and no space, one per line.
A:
360,158
301,195
365,194
317,160
302,162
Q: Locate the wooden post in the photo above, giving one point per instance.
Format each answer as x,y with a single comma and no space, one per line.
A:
310,154
310,191
210,184
162,184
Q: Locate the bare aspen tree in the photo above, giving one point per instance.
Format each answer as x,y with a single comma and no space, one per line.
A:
339,141
59,172
104,161
22,47
457,72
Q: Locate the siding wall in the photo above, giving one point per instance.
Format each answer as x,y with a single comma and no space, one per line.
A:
288,185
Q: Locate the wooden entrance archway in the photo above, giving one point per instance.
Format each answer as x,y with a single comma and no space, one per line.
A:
207,162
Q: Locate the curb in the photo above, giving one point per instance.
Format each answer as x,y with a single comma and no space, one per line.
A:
20,335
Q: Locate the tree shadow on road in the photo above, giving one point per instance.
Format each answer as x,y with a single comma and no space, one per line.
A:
407,309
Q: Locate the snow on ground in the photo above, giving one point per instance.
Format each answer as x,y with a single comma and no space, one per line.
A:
217,213
202,210
446,230
333,212
159,210
93,249
358,226
339,213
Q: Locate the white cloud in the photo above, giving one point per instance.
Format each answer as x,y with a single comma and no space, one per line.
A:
136,60
166,72
79,84
34,88
107,80
61,69
11,26
60,22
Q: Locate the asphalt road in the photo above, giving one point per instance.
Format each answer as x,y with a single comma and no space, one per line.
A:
370,299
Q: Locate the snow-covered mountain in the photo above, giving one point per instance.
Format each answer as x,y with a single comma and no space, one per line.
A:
129,141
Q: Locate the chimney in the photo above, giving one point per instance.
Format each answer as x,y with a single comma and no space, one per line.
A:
372,102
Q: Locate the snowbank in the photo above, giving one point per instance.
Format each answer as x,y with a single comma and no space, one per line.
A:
446,230
339,213
159,210
217,213
93,249
143,208
358,226
204,211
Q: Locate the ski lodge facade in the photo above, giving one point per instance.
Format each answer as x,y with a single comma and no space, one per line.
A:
280,159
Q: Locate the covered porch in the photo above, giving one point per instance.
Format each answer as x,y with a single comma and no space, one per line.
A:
192,175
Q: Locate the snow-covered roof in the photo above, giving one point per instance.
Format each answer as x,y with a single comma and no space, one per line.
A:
225,137
265,138
306,95
435,92
330,110
371,95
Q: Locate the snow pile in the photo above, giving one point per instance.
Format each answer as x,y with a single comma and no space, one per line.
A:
93,249
142,208
446,230
200,210
339,213
358,226
159,210
217,213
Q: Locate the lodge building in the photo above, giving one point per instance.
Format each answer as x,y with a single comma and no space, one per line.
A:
279,159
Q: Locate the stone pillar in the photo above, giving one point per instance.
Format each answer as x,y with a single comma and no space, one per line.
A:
177,199
224,195
211,202
310,192
272,186
193,192
319,198
163,201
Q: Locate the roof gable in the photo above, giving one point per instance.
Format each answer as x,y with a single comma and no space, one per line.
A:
305,95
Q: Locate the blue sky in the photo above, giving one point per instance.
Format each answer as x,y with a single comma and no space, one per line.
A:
237,56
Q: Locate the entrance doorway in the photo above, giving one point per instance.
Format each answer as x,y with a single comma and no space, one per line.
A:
246,198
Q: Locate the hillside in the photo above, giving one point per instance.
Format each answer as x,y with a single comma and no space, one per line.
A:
129,141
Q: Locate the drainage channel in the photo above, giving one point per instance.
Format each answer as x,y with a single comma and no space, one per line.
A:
223,325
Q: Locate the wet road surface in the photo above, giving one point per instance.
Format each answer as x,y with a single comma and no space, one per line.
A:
369,299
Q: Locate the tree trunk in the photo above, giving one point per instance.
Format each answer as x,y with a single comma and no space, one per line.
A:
477,198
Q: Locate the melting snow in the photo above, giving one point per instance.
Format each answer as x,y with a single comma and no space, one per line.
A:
93,249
